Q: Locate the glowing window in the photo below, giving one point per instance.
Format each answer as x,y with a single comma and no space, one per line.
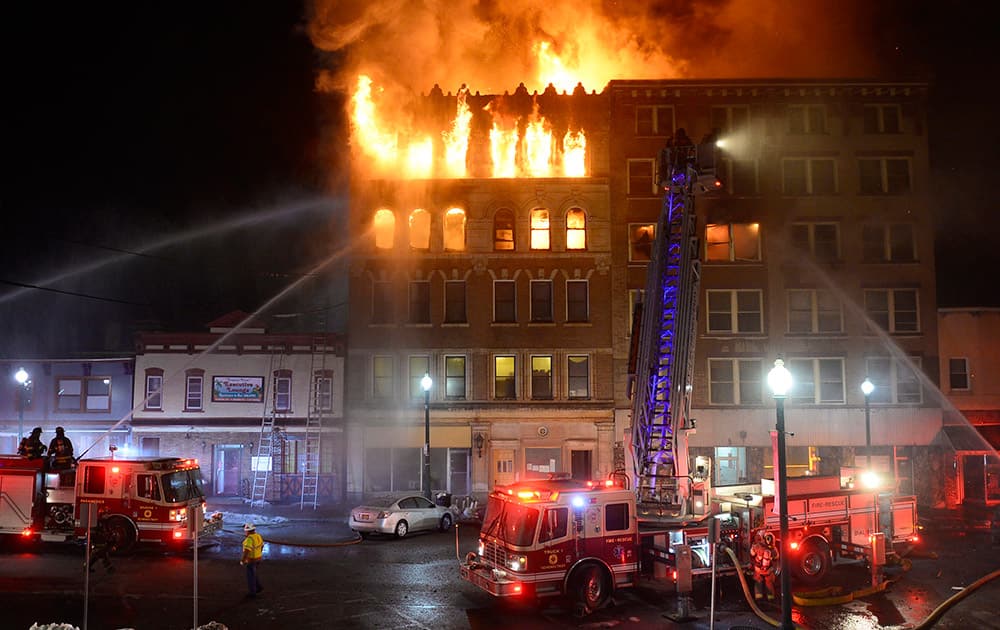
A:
576,229
503,377
503,230
454,230
384,225
540,228
732,242
541,377
640,241
420,229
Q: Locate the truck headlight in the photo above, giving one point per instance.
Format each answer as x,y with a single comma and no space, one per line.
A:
518,563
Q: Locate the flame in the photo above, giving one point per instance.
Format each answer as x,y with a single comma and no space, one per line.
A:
379,145
538,148
503,150
456,139
574,154
552,69
420,158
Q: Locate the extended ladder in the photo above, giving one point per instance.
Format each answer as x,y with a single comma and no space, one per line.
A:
320,392
264,459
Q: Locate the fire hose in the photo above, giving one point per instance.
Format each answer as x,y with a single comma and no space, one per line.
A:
746,592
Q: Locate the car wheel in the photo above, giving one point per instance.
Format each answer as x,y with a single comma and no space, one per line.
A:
445,522
591,588
121,534
812,563
402,529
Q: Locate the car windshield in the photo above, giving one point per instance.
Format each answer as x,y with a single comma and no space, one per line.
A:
511,522
182,485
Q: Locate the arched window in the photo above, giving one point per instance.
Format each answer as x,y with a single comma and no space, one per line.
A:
454,230
540,228
503,230
576,229
420,229
384,226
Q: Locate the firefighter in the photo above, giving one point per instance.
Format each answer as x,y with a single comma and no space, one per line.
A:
253,548
32,446
764,554
101,546
60,451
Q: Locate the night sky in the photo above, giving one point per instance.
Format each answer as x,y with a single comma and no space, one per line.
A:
128,125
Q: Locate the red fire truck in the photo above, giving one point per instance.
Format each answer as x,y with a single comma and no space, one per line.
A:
154,499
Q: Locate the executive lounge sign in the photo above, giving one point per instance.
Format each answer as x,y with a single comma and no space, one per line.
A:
237,388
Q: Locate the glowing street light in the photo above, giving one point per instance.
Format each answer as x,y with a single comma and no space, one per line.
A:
867,387
425,384
21,376
779,379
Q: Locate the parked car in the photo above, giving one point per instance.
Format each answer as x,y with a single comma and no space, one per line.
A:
399,515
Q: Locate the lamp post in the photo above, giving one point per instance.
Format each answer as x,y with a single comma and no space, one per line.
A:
867,387
779,379
425,384
21,376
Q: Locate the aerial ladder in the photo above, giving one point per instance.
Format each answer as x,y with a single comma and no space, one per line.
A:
320,392
662,355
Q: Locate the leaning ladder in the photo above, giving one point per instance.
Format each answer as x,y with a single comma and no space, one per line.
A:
320,390
265,443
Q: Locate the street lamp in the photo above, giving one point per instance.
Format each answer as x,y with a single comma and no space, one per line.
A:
425,384
779,379
21,376
867,387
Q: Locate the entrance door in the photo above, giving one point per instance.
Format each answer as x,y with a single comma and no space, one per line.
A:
974,478
503,466
458,470
580,465
226,480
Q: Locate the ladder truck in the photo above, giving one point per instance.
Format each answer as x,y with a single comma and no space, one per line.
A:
658,519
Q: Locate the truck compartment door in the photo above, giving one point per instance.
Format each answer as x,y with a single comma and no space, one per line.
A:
16,494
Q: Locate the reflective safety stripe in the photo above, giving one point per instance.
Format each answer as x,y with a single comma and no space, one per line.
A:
254,544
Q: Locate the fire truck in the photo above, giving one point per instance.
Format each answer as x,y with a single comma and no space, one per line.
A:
142,499
658,517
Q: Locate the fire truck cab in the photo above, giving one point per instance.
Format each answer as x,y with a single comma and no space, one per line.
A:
155,499
557,536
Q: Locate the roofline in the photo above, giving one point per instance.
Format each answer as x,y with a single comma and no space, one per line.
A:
967,309
807,81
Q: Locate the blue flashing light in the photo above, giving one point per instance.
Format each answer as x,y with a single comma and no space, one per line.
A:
578,502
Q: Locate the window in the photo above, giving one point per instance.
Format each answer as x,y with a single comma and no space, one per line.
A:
503,230
809,176
384,226
577,301
283,391
454,302
882,119
819,240
893,310
89,393
804,119
382,303
539,462
817,381
541,377
895,381
734,311
576,229
654,120
735,381
640,242
888,243
958,374
504,303
149,446
616,517
420,302
94,479
739,176
194,390
732,242
889,176
555,524
382,377
578,376
147,487
420,229
812,311
730,465
503,378
419,365
154,389
730,118
454,230
541,300
454,377
323,390
540,229
640,178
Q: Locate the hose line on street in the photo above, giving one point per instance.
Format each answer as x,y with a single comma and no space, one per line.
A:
954,599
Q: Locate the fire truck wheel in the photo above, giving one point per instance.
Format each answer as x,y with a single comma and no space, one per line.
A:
121,533
812,562
445,522
402,529
591,588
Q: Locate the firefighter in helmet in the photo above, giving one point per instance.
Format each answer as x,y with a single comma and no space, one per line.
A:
764,554
32,446
60,451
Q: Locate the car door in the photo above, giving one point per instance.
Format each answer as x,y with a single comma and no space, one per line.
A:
408,512
428,513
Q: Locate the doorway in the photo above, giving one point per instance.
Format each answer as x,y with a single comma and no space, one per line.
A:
228,463
503,466
580,465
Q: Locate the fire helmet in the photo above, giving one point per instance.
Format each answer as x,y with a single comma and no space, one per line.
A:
249,527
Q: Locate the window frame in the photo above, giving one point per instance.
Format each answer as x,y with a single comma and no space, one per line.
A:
383,303
727,122
542,385
84,394
810,177
574,378
817,380
452,303
540,313
386,391
635,247
539,231
282,394
572,231
731,244
808,122
889,379
656,128
572,315
738,393
497,227
189,395
892,311
512,302
734,311
153,396
451,215
635,183
815,312
964,374
729,178
810,246
512,378
421,215
885,242
378,235
423,366
453,379
419,302
880,118
885,185
323,388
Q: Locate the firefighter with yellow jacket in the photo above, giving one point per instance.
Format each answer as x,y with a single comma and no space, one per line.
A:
253,551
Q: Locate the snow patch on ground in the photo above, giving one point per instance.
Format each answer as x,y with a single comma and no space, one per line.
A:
232,519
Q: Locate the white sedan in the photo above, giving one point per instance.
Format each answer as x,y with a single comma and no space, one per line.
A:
400,515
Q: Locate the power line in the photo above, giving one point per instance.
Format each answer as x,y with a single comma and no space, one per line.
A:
88,296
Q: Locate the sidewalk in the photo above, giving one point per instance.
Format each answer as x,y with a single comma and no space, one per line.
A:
286,523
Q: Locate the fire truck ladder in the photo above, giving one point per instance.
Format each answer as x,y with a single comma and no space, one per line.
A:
266,441
320,392
664,367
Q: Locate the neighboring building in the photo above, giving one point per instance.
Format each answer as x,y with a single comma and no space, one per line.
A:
820,252
970,368
90,398
206,395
